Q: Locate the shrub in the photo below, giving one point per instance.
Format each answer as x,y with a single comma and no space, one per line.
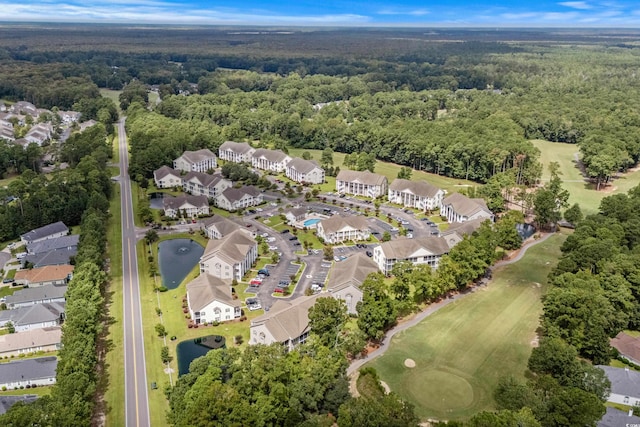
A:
162,289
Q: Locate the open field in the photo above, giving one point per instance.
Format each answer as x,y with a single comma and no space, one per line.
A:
114,95
580,191
390,170
462,350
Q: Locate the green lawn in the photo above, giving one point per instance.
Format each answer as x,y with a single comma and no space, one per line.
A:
9,290
113,95
390,170
580,192
40,391
462,350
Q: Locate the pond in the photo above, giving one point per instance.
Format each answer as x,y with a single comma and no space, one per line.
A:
190,350
525,230
177,257
155,200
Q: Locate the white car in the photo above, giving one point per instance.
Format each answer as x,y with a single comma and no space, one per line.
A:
273,248
273,204
258,209
265,235
271,239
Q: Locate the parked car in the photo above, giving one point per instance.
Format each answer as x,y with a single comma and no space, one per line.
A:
293,238
7,280
285,231
369,253
263,271
273,248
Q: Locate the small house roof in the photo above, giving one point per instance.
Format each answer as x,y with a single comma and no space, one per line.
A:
419,188
165,171
287,318
36,294
28,369
302,165
274,156
237,147
47,230
68,241
352,271
465,206
233,247
45,274
31,338
198,156
179,202
404,248
337,223
205,289
624,381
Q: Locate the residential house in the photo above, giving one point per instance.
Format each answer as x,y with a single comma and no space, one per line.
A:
39,133
425,250
287,323
24,108
346,277
627,346
54,257
69,241
339,229
625,385
34,317
219,226
50,231
457,230
203,184
415,194
43,339
230,257
617,418
49,275
37,295
6,130
86,125
295,214
189,206
198,161
20,373
460,208
233,199
236,152
7,401
69,117
209,300
304,171
166,177
364,183
270,160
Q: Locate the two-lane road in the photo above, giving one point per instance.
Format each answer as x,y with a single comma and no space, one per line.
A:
135,375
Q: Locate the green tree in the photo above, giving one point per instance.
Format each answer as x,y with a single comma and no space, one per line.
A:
327,157
376,312
161,330
326,319
306,155
386,236
573,214
405,173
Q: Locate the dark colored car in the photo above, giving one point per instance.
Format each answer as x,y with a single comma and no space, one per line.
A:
286,230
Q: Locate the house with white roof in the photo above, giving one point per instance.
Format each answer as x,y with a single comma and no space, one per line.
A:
270,160
230,257
236,152
287,323
345,278
415,194
191,206
166,177
39,133
338,229
232,199
204,184
426,250
460,208
365,183
209,300
304,171
198,161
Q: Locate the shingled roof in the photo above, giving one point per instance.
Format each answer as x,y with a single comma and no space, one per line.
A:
465,206
337,223
362,177
274,156
205,289
165,171
178,202
222,224
236,147
233,247
352,271
39,293
28,369
302,165
404,248
419,188
198,156
30,339
47,230
287,319
44,274
624,381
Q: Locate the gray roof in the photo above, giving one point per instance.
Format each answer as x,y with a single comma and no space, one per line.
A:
287,318
419,188
6,402
205,289
404,248
623,381
28,369
462,228
29,339
38,313
178,202
55,257
69,241
236,194
275,156
165,171
362,177
47,230
222,224
352,271
237,147
37,294
233,247
198,156
465,206
204,179
617,418
337,223
302,165
296,212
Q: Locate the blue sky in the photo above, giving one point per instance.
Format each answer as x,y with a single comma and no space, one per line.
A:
498,13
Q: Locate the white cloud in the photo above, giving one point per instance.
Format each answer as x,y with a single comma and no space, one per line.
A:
394,11
582,5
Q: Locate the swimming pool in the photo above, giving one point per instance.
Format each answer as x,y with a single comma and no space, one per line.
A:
311,222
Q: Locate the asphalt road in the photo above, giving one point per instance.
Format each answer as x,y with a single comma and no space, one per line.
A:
135,374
